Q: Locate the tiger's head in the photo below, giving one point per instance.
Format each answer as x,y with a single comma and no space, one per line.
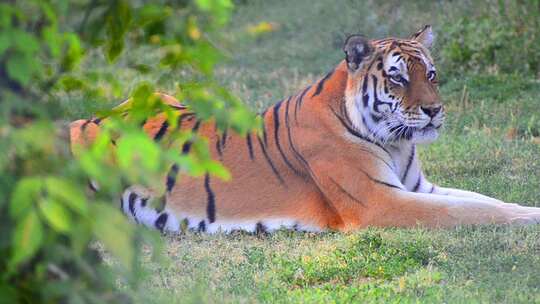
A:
392,89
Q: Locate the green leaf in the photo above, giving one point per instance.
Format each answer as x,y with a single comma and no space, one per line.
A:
8,294
117,24
27,238
72,83
142,93
5,42
81,236
22,67
25,42
51,37
204,4
114,48
67,193
151,12
115,232
143,68
218,170
50,13
138,150
74,52
56,215
19,68
26,193
219,9
6,12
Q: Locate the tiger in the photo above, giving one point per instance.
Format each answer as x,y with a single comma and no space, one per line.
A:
340,155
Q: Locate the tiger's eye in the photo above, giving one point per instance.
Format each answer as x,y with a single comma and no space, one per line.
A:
397,78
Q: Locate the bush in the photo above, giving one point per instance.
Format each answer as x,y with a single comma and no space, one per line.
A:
498,36
49,220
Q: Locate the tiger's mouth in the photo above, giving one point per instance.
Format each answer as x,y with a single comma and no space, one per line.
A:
429,127
426,133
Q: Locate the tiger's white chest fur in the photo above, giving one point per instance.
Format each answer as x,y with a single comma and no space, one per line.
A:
408,168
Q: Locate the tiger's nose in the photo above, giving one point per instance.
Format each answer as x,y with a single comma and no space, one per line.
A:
431,111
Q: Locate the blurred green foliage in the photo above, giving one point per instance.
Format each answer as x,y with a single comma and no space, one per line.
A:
49,219
498,36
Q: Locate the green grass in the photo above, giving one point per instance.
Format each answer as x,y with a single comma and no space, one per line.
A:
464,265
489,145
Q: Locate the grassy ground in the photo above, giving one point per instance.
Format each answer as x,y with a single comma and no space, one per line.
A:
490,145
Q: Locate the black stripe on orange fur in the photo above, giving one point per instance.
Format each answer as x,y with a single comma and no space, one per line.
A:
276,136
171,177
224,138
250,146
210,204
298,156
347,193
187,145
299,101
269,161
320,85
173,172
162,130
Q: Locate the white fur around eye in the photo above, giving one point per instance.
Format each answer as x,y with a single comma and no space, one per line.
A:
395,66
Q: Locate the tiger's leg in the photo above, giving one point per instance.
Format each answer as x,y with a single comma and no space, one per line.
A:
142,206
469,194
464,193
370,196
414,180
406,209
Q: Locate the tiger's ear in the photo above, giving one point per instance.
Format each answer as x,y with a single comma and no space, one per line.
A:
425,36
356,49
